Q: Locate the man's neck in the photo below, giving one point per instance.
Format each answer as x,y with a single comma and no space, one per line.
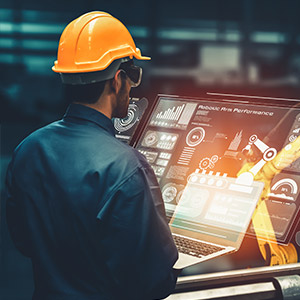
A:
103,105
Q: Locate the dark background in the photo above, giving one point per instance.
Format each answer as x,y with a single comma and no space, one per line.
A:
234,46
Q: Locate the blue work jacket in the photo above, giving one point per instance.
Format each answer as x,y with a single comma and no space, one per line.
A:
88,211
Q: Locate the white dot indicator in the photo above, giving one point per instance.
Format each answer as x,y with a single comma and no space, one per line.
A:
202,180
219,183
288,147
211,181
194,178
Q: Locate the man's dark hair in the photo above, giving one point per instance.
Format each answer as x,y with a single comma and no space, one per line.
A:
83,93
86,93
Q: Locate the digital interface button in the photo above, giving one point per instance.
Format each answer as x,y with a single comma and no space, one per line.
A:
158,171
208,180
162,162
150,155
160,140
165,155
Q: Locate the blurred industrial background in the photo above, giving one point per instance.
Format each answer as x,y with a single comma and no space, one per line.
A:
232,46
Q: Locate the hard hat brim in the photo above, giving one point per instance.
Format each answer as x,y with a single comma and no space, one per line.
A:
93,77
89,67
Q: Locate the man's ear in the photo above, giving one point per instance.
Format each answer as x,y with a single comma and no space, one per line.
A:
116,82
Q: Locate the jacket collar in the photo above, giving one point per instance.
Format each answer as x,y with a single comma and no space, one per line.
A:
83,112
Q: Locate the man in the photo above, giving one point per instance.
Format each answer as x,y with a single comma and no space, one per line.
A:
83,206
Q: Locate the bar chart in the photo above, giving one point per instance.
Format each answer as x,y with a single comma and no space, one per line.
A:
177,115
171,113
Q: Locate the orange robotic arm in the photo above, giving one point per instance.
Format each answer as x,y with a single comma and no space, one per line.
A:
264,171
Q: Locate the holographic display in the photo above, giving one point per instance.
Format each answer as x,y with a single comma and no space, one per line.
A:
213,136
209,202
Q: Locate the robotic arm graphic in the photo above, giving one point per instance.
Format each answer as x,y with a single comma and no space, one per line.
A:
264,170
268,154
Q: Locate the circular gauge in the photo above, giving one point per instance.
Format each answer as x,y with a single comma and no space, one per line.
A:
195,136
169,193
151,138
126,123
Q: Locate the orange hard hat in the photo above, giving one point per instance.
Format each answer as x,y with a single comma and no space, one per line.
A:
92,42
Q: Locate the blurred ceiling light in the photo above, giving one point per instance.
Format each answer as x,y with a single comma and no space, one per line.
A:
7,43
10,27
268,37
220,58
41,28
232,36
7,58
6,27
138,31
39,45
185,34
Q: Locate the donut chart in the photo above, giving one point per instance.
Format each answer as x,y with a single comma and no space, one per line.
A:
129,121
195,136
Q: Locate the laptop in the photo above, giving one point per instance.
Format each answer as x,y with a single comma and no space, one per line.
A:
196,149
212,216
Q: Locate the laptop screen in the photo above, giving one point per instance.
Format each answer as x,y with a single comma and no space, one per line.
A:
211,135
216,206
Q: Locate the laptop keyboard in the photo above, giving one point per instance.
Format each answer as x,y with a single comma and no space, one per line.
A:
194,248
